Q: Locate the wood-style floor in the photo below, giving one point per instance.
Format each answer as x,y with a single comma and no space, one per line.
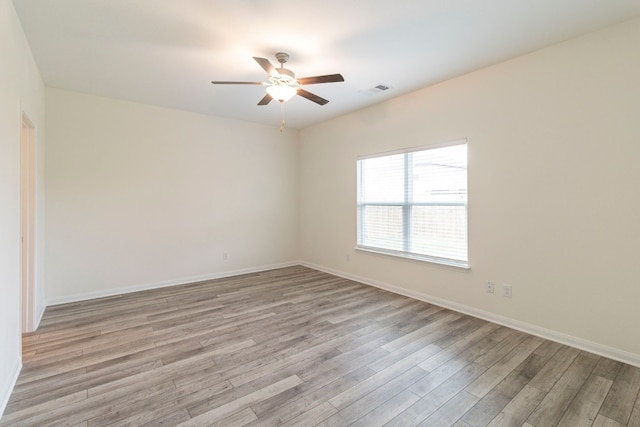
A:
300,347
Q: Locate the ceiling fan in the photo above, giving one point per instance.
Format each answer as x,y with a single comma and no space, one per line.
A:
283,84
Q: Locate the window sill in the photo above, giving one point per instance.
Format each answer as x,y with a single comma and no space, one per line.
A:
439,262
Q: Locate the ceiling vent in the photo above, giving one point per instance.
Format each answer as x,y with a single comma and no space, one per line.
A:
375,90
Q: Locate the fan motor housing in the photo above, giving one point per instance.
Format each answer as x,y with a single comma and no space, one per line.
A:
286,76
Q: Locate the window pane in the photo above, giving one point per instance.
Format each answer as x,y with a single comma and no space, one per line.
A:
439,231
414,204
382,227
440,175
382,179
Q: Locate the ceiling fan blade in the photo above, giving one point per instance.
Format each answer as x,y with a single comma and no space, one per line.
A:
266,65
264,101
312,97
330,78
239,83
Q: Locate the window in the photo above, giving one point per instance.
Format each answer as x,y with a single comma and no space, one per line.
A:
414,204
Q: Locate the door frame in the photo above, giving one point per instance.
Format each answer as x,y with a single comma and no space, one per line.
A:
27,215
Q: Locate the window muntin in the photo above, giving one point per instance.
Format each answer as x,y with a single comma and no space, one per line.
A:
414,204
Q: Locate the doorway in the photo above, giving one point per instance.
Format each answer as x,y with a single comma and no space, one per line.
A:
27,183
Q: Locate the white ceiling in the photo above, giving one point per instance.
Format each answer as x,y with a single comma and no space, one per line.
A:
166,52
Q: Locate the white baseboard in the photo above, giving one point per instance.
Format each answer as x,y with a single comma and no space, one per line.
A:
39,317
562,338
173,282
6,389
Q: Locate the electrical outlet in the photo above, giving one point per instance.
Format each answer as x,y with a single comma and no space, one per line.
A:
225,256
489,287
506,291
347,257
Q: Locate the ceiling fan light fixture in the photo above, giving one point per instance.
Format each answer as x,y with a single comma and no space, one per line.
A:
281,92
283,84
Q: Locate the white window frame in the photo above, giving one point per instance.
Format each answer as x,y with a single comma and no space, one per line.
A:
407,206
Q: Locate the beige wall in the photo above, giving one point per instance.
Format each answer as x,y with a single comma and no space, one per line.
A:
141,196
21,90
554,205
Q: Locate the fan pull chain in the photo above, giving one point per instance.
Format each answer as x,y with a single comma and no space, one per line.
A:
282,114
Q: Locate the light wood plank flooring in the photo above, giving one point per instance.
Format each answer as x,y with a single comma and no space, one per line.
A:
298,347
